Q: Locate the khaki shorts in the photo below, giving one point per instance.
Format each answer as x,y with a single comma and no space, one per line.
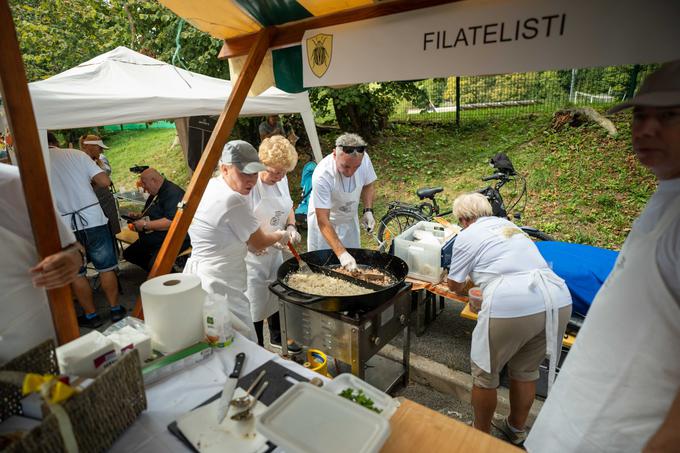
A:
519,343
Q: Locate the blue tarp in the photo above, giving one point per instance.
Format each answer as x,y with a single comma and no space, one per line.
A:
583,267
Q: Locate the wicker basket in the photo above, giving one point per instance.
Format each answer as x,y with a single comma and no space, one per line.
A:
99,414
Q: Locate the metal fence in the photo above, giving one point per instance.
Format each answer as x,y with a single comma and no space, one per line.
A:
460,98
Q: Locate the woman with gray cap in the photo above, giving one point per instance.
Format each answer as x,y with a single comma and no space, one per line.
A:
224,228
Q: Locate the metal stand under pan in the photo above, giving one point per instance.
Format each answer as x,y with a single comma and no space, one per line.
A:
354,338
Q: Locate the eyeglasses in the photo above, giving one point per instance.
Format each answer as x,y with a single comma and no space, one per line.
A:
353,149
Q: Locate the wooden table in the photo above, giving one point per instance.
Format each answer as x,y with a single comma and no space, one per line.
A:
416,428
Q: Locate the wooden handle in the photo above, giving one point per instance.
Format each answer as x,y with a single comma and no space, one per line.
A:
294,252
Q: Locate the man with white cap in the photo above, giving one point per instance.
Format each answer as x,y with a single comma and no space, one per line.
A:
93,146
224,228
619,388
339,182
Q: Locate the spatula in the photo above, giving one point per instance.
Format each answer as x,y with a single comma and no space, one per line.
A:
302,265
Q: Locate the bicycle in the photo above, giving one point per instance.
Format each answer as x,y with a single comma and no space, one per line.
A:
400,215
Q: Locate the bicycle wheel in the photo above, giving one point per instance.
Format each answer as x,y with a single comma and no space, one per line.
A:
537,235
394,223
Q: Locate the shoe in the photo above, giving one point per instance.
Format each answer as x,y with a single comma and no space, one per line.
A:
91,321
293,347
515,438
117,313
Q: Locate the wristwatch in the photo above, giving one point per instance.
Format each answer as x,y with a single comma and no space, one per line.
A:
367,210
289,224
144,226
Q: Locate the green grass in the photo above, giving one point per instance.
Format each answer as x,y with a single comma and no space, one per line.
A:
151,147
584,186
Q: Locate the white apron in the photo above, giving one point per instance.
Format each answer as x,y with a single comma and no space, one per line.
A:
25,318
272,213
618,381
344,217
224,273
480,352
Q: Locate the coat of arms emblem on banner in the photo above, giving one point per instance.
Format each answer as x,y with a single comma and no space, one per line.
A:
319,51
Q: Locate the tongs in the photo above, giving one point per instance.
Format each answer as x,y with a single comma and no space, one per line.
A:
308,268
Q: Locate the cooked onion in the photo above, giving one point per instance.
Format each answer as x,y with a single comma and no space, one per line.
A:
324,285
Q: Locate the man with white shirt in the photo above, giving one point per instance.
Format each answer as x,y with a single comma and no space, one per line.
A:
72,177
339,182
619,388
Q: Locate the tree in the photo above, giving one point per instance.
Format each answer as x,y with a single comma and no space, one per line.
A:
365,108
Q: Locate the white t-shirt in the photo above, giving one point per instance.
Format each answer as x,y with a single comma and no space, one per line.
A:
25,319
15,213
71,173
493,246
280,189
324,178
223,216
668,246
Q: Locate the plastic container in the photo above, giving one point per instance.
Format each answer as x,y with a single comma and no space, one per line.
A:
381,400
307,419
475,299
424,256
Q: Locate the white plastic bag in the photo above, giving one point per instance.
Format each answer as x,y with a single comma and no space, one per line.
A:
217,321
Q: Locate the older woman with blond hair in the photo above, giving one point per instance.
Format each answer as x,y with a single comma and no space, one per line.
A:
524,313
273,208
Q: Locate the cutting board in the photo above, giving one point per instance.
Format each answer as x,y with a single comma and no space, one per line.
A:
280,379
201,430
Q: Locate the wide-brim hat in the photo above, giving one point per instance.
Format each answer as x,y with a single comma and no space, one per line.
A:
243,156
660,89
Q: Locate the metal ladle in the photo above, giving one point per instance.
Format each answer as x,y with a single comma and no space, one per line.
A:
244,401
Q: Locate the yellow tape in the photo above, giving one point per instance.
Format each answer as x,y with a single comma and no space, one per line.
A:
51,389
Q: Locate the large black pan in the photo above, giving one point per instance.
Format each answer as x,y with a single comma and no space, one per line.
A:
382,261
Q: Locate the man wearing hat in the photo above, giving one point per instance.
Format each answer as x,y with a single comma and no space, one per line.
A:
224,228
93,146
619,388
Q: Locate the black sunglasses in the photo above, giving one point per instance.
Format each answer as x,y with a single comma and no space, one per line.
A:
353,149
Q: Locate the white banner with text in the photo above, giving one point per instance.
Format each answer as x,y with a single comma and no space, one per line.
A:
493,37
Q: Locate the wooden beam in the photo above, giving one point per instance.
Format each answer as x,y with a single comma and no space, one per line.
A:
21,119
211,154
291,33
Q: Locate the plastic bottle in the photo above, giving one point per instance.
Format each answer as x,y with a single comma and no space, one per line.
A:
217,321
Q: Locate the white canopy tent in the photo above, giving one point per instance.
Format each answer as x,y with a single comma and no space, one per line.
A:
123,86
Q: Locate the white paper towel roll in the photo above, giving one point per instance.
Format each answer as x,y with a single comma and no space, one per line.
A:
173,311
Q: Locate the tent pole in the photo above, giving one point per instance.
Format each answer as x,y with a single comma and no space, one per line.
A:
31,163
204,170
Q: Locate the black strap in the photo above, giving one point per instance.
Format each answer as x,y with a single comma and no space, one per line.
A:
75,215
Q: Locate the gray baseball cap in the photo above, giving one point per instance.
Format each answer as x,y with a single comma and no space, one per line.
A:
243,156
660,89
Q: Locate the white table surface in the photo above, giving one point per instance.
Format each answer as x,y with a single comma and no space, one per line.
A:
178,394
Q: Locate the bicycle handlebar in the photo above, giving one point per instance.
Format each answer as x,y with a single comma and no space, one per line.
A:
494,176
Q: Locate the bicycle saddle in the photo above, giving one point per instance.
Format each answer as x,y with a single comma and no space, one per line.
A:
428,192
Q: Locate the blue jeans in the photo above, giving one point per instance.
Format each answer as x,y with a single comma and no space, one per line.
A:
99,248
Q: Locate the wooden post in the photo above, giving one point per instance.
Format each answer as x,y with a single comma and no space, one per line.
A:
206,166
21,119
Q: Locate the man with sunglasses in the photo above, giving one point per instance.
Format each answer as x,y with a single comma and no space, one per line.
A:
339,182
619,387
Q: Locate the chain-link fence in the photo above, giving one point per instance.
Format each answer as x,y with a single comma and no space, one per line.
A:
460,98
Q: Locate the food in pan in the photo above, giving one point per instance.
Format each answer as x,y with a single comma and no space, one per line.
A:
324,285
369,274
